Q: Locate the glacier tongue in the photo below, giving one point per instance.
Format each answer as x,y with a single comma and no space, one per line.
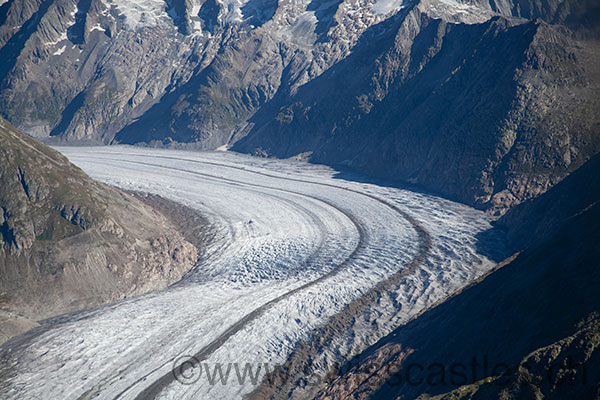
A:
295,245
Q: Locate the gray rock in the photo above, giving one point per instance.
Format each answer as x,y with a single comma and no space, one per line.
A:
490,103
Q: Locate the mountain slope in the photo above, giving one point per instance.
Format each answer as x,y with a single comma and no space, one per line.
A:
490,103
68,242
491,114
539,219
535,319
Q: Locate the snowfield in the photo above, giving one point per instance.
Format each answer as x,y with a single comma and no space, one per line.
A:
297,244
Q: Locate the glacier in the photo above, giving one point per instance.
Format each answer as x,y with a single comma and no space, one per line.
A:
295,244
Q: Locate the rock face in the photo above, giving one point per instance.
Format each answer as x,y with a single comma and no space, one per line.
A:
488,102
564,369
539,219
535,319
490,114
69,243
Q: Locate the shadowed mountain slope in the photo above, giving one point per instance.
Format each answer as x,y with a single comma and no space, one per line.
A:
531,328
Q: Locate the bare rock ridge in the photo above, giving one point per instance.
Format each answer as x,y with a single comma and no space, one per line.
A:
487,102
534,322
69,243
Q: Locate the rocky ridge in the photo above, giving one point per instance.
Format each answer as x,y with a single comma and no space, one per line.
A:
68,243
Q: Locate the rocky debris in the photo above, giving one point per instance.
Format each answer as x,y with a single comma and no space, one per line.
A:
491,114
563,369
12,324
68,243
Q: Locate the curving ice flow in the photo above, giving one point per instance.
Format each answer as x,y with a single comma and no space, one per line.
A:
295,244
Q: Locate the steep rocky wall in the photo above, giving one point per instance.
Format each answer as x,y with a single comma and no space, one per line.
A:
490,114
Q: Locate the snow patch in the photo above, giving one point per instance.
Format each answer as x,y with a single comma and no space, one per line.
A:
384,7
62,37
303,30
60,51
457,5
458,11
97,27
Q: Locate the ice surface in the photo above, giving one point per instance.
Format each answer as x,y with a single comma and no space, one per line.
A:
279,227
